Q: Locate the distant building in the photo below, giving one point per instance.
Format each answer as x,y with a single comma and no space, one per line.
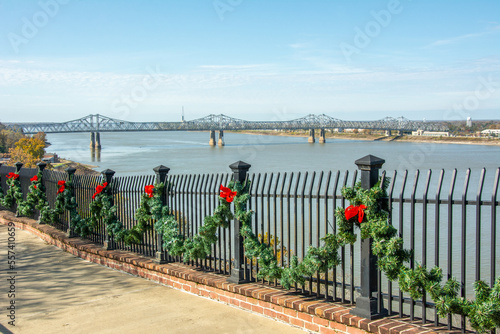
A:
491,132
51,158
468,122
430,133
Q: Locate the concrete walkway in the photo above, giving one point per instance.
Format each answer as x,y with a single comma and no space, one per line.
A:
56,292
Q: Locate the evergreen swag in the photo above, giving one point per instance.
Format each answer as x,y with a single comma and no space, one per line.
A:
191,248
36,199
13,195
103,208
483,312
65,200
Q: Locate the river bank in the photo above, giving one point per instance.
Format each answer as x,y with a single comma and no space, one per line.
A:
81,169
378,137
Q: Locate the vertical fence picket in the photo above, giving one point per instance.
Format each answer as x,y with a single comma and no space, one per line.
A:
478,224
494,205
412,235
342,250
424,241
401,196
390,201
463,269
351,249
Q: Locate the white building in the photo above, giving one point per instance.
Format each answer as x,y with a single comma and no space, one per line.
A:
430,133
491,132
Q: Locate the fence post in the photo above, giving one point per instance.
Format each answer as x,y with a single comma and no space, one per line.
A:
18,169
41,166
366,305
71,171
161,176
109,242
238,273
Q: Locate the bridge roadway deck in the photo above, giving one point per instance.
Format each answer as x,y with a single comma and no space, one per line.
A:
57,292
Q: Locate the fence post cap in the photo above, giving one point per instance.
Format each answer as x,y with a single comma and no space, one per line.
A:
369,162
18,166
161,169
41,165
239,165
70,170
108,172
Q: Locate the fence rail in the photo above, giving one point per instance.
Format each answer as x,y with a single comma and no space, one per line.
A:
441,224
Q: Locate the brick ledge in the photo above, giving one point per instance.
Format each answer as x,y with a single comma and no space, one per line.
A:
285,306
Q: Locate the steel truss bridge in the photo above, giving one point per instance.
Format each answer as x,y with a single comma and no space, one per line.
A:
100,123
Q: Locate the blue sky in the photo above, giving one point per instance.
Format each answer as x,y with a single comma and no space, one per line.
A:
256,60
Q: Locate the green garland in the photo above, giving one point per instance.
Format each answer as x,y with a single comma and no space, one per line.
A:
1,190
102,208
483,312
36,199
197,247
14,194
66,201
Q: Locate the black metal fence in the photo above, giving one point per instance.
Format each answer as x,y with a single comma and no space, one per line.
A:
442,225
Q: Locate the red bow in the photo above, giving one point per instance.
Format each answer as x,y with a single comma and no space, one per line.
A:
62,185
13,175
352,211
227,193
33,179
149,190
99,189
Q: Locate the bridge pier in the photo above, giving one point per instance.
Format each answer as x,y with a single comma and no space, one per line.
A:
388,133
221,138
97,141
322,136
92,140
211,142
311,136
400,132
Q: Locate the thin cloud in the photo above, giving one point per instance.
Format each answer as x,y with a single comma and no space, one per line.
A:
458,39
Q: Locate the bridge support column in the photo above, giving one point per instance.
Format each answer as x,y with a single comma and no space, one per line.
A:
400,132
92,140
388,133
322,136
221,138
311,136
211,142
97,141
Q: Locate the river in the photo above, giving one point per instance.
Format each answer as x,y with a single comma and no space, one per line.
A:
135,153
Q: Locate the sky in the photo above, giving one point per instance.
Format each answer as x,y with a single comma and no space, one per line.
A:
141,60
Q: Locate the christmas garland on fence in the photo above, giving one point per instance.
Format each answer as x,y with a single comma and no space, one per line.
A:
369,212
191,248
14,194
103,208
66,201
36,199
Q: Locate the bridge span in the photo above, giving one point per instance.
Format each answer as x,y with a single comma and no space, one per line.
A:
95,124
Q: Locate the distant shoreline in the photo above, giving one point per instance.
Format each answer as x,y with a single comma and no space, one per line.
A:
416,139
